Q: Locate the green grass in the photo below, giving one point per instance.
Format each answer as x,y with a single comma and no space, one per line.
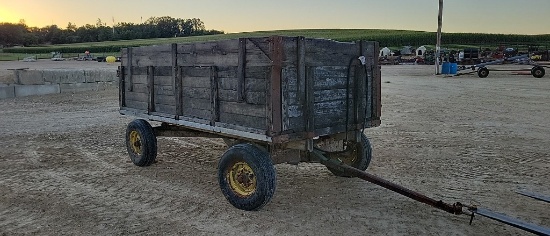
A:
390,38
20,56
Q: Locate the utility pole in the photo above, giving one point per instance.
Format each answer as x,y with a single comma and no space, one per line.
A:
113,25
438,43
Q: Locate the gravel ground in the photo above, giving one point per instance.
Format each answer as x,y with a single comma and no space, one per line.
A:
64,167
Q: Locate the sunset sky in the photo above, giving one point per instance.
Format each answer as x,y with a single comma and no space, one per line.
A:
487,16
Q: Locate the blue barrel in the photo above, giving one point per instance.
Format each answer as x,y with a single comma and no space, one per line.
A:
446,68
453,69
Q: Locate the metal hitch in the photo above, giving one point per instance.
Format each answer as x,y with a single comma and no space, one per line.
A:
456,208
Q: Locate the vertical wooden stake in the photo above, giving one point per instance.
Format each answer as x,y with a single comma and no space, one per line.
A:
151,89
241,73
214,100
121,86
130,70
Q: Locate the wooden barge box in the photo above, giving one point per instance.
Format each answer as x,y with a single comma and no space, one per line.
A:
272,99
268,89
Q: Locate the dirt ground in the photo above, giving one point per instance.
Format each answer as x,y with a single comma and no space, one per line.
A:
64,169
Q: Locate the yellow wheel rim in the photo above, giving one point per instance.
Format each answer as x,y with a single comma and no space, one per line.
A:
242,179
135,142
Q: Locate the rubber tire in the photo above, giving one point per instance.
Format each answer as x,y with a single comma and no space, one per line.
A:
148,143
261,164
538,71
483,72
360,163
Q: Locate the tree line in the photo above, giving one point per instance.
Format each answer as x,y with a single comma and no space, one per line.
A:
155,27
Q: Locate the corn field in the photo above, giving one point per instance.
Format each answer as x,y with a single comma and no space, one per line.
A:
386,38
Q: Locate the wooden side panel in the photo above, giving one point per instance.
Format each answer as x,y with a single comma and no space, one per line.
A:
274,85
250,112
196,92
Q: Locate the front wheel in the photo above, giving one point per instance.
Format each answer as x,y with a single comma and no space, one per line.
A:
246,176
141,142
483,72
538,72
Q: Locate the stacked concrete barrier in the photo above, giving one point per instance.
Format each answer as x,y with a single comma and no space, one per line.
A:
40,82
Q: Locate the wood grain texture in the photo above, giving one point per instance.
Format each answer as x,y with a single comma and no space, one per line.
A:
273,84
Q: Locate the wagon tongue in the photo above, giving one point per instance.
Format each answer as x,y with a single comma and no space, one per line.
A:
456,208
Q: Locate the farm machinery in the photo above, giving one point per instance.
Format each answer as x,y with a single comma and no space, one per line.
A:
482,71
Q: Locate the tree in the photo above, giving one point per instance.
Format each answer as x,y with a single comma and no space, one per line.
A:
71,27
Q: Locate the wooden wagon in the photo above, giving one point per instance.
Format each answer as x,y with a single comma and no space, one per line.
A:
272,99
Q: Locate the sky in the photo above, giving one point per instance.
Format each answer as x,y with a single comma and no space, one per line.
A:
479,16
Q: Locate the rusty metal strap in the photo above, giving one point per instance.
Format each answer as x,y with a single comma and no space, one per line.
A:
534,195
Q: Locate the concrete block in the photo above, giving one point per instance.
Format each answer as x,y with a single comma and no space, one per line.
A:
7,92
29,77
52,76
100,76
29,90
64,76
106,85
78,87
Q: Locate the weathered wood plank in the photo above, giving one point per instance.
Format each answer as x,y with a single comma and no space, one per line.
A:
196,71
325,96
258,98
190,92
220,47
243,120
156,55
165,100
138,88
135,96
251,84
197,113
165,90
159,70
195,103
166,109
196,82
321,52
242,109
321,108
139,105
254,58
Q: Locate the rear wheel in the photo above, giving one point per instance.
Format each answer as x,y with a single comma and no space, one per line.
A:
358,155
538,71
483,72
246,176
141,142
